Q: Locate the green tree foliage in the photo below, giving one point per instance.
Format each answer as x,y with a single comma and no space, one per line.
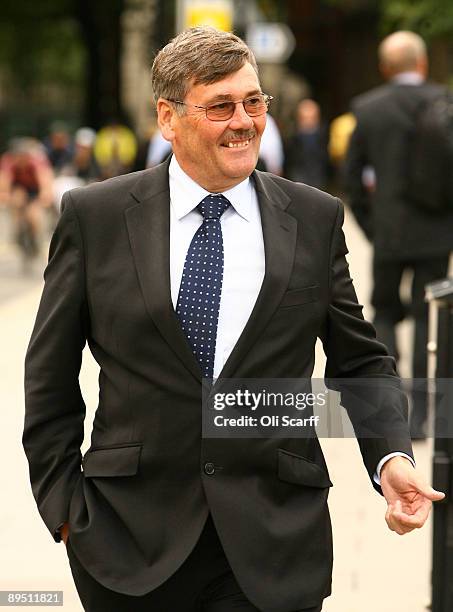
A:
273,10
40,44
69,45
430,18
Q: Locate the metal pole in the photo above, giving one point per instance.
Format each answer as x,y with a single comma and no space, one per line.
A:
441,324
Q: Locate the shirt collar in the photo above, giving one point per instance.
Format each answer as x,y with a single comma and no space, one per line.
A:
186,194
408,78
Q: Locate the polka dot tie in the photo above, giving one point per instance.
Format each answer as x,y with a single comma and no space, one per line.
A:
201,285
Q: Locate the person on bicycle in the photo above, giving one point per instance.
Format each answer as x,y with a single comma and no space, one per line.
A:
26,184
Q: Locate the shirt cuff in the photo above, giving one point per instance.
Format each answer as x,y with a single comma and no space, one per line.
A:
380,465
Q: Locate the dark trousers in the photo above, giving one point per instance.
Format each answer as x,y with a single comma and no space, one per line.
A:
204,583
390,310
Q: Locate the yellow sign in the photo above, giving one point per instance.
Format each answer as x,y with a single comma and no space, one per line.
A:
217,14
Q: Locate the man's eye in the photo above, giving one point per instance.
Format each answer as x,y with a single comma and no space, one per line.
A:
253,101
220,106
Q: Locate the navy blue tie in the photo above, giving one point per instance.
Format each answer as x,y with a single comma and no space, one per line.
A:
201,285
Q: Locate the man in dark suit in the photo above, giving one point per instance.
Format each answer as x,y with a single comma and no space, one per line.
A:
199,268
404,237
307,156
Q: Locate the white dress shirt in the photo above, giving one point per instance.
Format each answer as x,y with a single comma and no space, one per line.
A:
244,259
410,77
243,252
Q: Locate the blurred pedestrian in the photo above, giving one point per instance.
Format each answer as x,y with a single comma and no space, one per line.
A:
115,149
158,150
59,146
405,237
307,158
271,155
340,131
81,170
26,185
84,163
145,135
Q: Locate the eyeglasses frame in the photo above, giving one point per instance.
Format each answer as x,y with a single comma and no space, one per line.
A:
267,100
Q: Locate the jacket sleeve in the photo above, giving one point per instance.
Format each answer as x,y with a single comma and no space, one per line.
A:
359,367
54,407
359,198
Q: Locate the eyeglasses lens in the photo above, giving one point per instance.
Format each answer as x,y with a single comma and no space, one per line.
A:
253,107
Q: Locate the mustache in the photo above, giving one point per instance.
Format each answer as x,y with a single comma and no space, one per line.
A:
239,135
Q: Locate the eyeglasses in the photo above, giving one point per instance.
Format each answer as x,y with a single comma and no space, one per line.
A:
253,106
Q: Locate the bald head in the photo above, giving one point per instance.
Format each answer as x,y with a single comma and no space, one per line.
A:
402,52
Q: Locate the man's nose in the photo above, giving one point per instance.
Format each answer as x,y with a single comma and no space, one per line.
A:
240,119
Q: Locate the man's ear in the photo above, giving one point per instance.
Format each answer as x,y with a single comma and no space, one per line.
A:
165,117
422,66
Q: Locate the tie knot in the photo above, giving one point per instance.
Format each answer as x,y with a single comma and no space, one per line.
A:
213,206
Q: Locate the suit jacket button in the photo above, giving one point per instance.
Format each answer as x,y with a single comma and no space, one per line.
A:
209,468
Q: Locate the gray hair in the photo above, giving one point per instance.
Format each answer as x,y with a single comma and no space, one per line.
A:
200,55
401,51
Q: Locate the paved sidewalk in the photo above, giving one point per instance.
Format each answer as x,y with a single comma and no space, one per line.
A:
375,570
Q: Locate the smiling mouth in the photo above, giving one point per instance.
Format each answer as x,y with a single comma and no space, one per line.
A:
236,145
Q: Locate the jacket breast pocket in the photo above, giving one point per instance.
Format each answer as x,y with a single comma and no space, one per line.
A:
112,461
298,470
298,297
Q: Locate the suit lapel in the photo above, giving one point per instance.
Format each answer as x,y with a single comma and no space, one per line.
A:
279,234
148,224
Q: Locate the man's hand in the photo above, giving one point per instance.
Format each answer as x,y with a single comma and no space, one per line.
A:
409,496
64,531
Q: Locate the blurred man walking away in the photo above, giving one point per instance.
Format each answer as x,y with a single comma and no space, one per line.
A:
405,236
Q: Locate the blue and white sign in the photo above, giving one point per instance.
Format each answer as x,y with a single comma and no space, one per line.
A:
270,42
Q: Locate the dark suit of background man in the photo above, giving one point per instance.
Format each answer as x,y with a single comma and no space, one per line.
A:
160,519
307,156
404,237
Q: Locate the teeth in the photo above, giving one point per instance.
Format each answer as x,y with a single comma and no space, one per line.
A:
237,145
